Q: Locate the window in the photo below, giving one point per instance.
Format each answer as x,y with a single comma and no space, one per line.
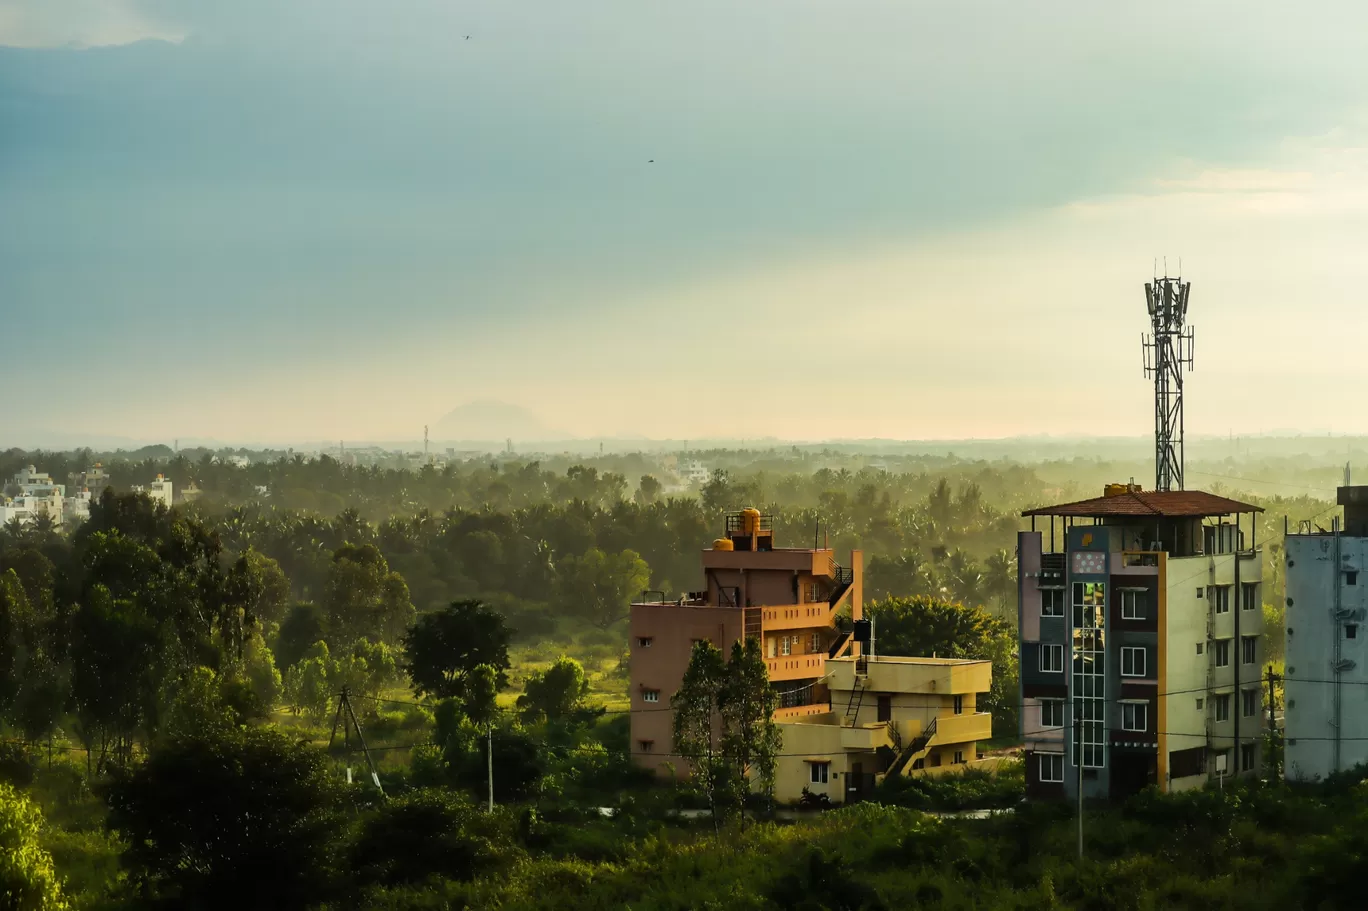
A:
785,648
815,643
650,695
959,757
1249,703
1249,756
1249,649
1221,706
1249,596
1134,605
818,772
645,746
644,641
1052,602
1199,703
1134,716
1052,713
959,705
1051,766
1133,662
1351,630
1052,659
1199,648
1220,599
1351,578
1220,650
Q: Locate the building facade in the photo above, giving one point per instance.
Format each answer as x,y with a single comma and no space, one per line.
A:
1326,675
888,716
786,597
159,491
1140,617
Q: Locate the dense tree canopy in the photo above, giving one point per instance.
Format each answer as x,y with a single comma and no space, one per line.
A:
227,819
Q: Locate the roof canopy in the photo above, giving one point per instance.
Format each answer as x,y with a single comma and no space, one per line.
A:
1147,504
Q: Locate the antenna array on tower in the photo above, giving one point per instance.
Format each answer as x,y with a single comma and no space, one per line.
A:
1167,351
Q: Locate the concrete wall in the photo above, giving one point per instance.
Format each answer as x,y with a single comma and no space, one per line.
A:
661,665
1312,633
1183,696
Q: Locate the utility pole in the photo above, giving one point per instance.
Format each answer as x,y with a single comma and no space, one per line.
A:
344,704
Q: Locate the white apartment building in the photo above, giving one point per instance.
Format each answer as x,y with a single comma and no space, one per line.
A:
1326,674
159,491
76,508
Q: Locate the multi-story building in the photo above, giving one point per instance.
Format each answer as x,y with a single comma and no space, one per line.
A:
787,597
94,479
159,491
1326,675
31,493
76,508
29,482
889,716
1140,614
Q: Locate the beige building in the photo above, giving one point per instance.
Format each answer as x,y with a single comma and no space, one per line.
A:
889,716
787,597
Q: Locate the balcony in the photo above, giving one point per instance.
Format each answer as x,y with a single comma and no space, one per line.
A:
810,615
963,728
866,738
796,667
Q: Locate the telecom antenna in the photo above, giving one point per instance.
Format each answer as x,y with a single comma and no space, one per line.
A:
1167,350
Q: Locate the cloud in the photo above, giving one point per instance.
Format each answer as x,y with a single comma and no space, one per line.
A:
302,184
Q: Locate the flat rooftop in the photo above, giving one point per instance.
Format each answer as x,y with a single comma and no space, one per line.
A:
1149,504
902,659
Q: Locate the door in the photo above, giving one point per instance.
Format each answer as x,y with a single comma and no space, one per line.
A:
885,708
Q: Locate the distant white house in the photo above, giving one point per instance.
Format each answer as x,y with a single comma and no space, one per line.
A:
159,491
693,472
76,508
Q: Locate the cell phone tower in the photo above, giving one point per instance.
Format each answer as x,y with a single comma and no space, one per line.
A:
1167,351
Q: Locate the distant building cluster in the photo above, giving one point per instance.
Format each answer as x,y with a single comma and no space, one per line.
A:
32,495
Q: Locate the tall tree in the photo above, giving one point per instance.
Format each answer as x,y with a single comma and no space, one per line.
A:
598,587
443,648
363,597
556,693
751,738
697,723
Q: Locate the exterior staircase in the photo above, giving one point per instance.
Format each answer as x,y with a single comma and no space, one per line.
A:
917,748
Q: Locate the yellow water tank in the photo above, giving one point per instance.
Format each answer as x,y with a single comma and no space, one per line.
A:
1114,490
722,544
750,520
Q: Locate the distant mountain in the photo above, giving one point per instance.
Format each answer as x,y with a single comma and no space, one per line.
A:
486,421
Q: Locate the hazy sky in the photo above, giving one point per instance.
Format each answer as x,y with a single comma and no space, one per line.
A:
299,219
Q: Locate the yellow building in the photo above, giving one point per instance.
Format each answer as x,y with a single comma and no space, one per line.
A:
889,716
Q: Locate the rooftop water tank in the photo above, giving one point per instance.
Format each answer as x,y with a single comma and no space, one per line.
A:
722,544
750,520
